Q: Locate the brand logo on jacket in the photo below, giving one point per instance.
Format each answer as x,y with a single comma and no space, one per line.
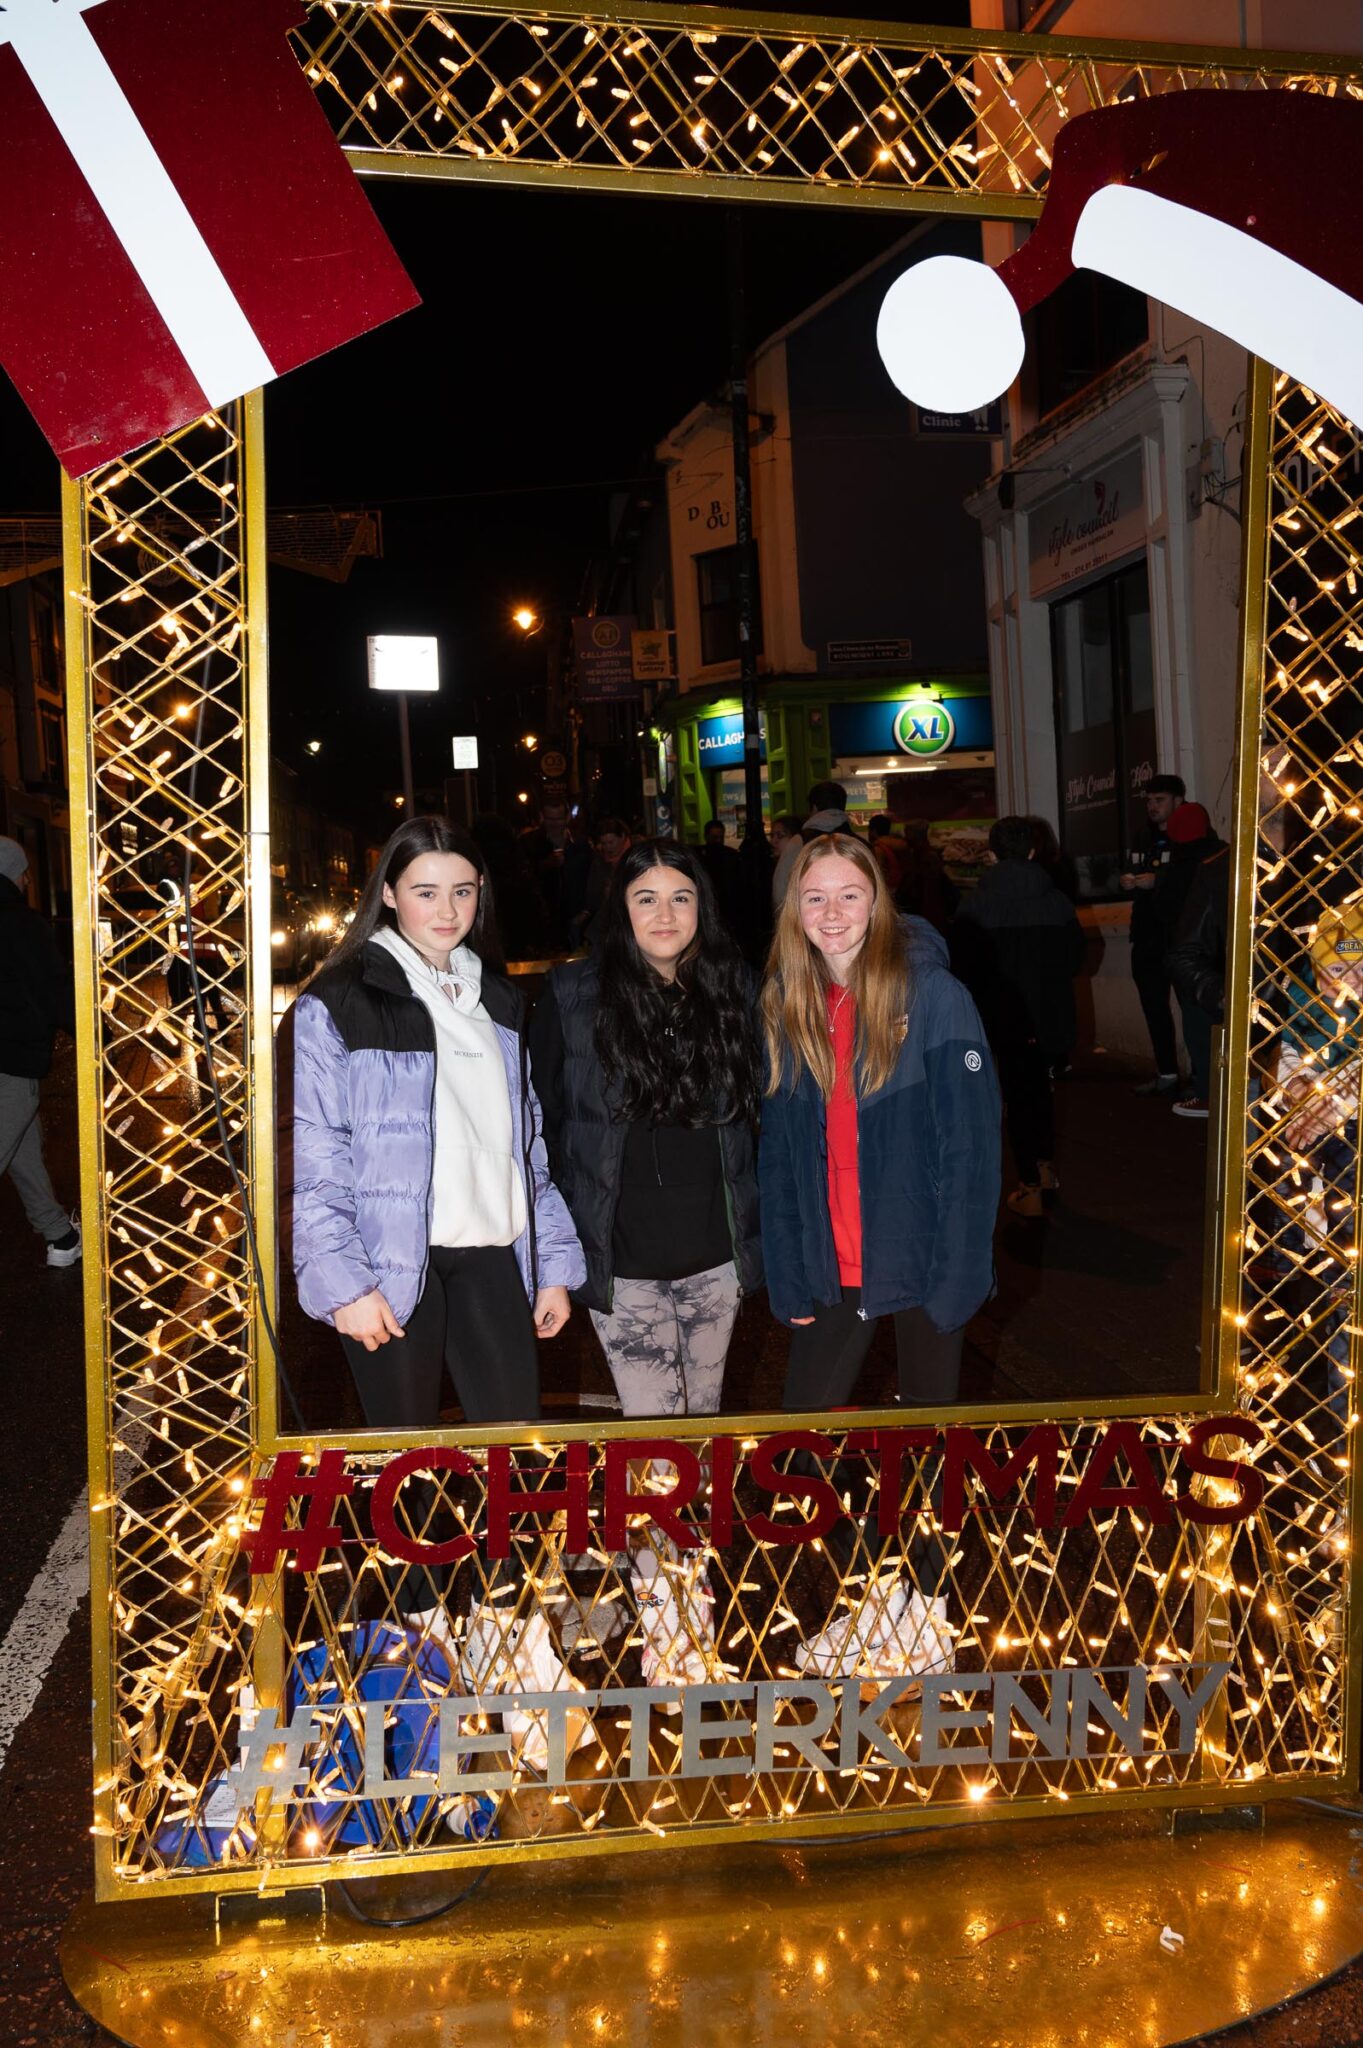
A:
973,1062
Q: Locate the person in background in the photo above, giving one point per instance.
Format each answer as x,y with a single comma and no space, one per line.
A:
879,1176
1018,948
1151,930
827,813
725,870
612,840
1192,842
644,1057
1054,859
36,1001
1196,961
889,849
785,830
522,921
1319,1064
426,1228
925,888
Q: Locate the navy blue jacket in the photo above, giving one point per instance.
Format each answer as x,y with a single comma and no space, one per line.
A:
928,1160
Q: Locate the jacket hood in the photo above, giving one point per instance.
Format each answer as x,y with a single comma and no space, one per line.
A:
927,947
827,821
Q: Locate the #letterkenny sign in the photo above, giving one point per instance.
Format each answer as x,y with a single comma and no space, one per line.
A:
178,223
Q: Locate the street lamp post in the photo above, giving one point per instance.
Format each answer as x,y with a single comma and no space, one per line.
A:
403,663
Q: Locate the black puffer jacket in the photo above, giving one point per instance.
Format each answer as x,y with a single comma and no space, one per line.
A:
1017,946
586,1135
35,992
1196,960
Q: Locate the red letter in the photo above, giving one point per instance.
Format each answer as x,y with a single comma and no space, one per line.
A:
722,1491
663,1510
1119,1440
891,1445
1040,1446
810,1486
1204,1466
411,1549
505,1501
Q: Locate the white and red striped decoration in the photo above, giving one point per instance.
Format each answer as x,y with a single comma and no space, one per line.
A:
178,223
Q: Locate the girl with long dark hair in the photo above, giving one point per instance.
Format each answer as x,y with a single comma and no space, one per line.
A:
427,1230
645,1060
879,1174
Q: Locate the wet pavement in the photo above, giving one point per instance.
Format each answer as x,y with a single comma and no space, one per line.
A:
1100,1298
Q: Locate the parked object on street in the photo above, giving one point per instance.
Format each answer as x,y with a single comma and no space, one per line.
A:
36,1001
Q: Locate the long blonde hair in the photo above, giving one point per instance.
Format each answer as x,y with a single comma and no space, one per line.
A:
795,992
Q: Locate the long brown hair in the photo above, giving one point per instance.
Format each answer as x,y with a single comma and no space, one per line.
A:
795,992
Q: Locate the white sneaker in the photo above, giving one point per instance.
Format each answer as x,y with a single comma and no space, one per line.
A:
930,1646
853,1645
501,1655
679,1635
63,1254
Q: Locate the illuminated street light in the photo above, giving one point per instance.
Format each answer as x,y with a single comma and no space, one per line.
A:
526,618
529,740
522,796
313,747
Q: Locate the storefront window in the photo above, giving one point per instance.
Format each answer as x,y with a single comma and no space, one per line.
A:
1105,723
717,593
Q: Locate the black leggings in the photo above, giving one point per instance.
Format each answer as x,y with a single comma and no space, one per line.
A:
474,1322
826,1357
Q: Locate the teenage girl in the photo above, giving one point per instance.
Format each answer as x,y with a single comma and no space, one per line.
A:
645,1060
879,1175
426,1228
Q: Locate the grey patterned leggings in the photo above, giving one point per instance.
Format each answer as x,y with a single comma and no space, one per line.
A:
666,1341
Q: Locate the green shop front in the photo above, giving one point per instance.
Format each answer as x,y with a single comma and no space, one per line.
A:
917,748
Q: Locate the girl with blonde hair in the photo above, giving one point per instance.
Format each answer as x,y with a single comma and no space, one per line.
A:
879,1180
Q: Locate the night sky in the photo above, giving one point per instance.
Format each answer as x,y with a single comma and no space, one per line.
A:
559,338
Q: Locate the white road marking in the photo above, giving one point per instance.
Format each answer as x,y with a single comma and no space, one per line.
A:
38,1630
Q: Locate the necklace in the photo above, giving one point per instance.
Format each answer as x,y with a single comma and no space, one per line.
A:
836,1009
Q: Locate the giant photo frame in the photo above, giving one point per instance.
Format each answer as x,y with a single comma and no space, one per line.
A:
1138,1548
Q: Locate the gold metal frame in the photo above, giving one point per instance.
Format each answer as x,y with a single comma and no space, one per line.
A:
165,614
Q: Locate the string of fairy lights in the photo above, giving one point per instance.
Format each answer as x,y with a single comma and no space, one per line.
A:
683,98
193,1646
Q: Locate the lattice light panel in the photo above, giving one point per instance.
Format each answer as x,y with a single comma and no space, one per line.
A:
165,560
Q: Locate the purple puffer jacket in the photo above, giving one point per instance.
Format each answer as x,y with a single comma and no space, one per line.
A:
364,1142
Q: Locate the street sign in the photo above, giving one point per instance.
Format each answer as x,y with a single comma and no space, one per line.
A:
601,655
651,654
553,765
404,661
465,751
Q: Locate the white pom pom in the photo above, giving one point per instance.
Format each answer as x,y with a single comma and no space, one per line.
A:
949,334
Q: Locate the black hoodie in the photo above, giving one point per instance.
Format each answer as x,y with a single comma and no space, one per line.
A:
34,992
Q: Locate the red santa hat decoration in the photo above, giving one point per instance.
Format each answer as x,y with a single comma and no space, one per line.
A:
179,224
1209,201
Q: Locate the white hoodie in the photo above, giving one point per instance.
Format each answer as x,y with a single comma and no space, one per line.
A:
477,1196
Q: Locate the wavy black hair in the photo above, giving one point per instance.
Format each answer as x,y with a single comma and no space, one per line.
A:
683,1052
413,838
